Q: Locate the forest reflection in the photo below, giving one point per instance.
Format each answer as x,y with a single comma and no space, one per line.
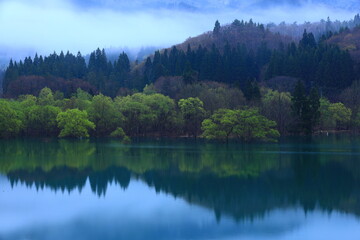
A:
242,181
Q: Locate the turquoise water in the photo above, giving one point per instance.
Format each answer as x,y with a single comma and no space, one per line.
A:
180,189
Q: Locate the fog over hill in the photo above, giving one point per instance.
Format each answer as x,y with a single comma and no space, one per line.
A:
45,26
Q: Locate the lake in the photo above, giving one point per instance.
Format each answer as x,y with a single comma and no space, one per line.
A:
298,188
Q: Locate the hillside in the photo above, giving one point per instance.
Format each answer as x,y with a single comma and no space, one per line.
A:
222,69
319,29
253,35
348,40
250,34
240,54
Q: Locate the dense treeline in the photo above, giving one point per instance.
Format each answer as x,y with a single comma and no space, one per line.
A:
66,73
233,66
216,92
318,64
324,66
140,114
192,114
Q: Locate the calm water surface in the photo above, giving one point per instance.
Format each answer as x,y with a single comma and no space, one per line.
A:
180,189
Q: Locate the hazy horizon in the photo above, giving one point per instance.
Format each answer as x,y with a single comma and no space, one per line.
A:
45,26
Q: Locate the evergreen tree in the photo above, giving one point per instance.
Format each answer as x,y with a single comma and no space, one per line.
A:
11,74
305,109
122,69
216,28
313,115
307,41
80,67
299,106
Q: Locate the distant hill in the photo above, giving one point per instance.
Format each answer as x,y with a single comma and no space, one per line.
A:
240,54
319,29
250,34
243,52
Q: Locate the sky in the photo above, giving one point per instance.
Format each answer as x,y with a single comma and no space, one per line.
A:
45,26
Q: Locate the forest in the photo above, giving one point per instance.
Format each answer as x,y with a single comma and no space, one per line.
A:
219,90
210,110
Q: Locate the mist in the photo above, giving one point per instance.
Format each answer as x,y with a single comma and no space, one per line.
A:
45,26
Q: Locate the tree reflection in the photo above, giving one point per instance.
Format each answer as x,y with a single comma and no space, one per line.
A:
243,181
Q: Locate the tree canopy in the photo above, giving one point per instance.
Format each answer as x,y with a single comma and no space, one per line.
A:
193,112
246,125
74,123
10,121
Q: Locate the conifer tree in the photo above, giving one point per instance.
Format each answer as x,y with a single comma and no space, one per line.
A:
216,28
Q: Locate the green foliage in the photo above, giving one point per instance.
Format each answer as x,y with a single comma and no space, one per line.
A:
118,133
68,103
137,115
326,121
230,161
78,103
58,96
10,120
74,123
214,95
149,89
126,140
246,125
147,113
155,114
41,120
82,95
276,106
341,115
193,112
46,97
334,115
27,101
103,113
163,108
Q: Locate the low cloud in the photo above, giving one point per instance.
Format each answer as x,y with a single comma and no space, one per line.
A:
52,25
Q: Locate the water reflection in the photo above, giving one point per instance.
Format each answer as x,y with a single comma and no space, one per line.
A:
125,215
251,184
